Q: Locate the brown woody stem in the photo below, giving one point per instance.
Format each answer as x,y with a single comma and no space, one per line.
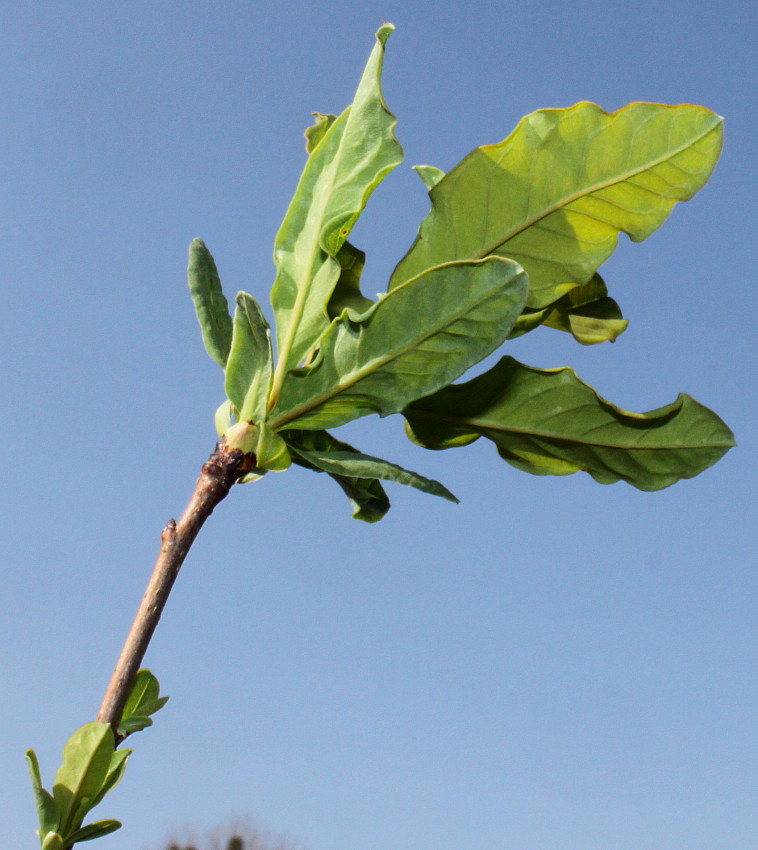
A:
217,476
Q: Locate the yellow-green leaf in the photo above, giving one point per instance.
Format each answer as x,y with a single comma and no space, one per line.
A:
555,193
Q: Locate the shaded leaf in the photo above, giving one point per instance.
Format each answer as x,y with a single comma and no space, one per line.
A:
548,422
415,340
590,324
586,312
47,811
347,292
555,193
356,152
211,306
348,462
248,371
367,497
316,132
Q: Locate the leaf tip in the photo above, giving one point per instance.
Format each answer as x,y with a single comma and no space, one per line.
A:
383,33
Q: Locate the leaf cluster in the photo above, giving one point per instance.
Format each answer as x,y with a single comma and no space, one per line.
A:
513,241
91,765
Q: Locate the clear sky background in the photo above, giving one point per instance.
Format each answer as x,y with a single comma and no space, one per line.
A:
550,665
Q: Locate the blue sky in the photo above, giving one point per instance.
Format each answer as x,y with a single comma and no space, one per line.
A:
550,664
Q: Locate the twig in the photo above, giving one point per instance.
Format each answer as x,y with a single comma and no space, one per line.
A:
217,476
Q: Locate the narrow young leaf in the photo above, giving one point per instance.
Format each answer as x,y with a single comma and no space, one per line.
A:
353,464
555,193
249,369
84,768
93,830
355,153
548,422
415,340
211,306
367,497
47,811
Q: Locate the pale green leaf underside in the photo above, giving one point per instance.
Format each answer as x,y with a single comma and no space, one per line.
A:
415,340
367,497
548,422
248,372
211,306
353,155
555,193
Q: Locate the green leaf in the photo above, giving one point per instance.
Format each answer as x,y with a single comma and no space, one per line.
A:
134,723
316,132
548,422
145,689
211,307
347,292
366,495
143,699
115,772
84,768
47,811
555,193
429,174
52,841
93,830
350,463
248,372
356,152
590,324
586,312
415,340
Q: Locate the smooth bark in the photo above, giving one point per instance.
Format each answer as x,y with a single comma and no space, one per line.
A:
217,476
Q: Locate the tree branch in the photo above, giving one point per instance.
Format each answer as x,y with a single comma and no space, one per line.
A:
217,476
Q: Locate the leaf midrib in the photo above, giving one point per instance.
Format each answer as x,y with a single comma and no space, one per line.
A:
302,294
474,423
377,362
